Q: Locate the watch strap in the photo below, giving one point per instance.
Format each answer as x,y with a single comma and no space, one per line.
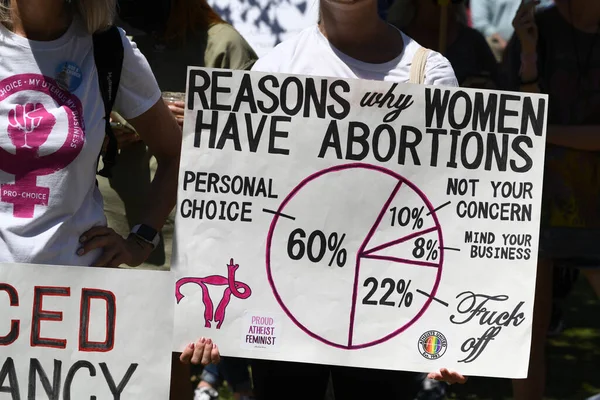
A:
147,234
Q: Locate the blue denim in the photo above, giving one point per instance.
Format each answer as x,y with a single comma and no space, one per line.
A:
233,370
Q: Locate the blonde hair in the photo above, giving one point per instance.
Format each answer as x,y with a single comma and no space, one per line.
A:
97,15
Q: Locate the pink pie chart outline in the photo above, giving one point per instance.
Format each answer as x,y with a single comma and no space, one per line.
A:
293,193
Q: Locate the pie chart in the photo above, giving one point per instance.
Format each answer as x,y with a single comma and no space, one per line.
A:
354,255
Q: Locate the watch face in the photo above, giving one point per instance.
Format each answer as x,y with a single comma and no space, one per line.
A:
146,232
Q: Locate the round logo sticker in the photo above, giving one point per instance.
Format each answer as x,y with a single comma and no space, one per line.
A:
432,345
68,76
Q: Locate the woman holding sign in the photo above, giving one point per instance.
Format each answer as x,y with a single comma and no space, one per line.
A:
53,117
350,41
557,52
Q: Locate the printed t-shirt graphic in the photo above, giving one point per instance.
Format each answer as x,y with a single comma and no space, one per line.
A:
32,126
51,132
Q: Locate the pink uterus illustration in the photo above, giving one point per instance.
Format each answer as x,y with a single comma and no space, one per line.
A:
233,288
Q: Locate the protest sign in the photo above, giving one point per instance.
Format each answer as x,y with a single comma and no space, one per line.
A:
81,333
266,23
359,223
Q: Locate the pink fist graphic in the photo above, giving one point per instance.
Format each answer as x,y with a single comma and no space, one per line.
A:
30,125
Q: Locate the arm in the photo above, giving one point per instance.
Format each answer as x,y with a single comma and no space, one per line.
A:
159,130
139,102
519,67
162,135
439,71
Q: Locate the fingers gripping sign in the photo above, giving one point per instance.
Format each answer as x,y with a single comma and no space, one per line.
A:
178,110
203,351
447,376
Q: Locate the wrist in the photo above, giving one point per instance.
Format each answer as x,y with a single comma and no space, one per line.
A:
529,70
140,243
529,57
146,234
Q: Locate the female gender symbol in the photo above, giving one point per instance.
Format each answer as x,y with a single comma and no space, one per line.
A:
29,126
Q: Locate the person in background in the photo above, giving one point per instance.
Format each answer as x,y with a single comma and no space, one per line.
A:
467,51
172,35
231,370
474,66
188,33
557,52
493,18
336,48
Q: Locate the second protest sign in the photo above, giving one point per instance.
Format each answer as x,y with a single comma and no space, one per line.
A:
80,333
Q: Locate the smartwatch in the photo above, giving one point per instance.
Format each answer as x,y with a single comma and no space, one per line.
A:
147,234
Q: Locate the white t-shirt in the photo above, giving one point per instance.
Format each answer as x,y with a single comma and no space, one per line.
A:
50,139
310,53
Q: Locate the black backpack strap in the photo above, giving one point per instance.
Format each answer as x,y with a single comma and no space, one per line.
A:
108,55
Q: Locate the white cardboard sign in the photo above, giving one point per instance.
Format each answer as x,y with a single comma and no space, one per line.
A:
76,332
359,223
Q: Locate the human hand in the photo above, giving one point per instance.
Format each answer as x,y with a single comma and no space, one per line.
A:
447,376
500,40
116,249
178,110
525,26
125,136
204,352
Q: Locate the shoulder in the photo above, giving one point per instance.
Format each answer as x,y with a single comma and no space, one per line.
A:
138,89
226,48
438,70
224,35
282,54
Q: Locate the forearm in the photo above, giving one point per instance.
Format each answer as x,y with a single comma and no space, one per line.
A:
159,130
585,137
162,195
